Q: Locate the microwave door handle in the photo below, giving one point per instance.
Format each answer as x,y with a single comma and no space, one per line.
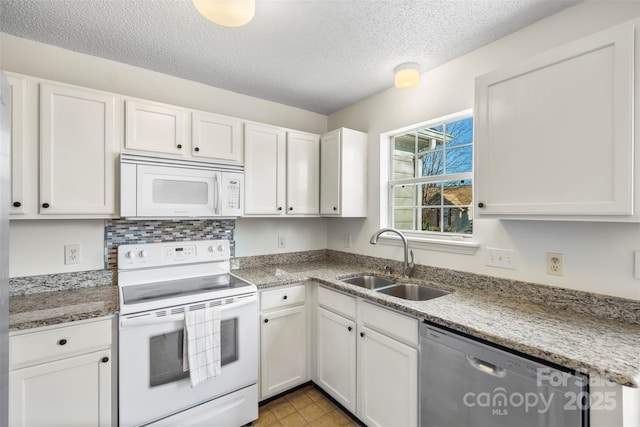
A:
217,190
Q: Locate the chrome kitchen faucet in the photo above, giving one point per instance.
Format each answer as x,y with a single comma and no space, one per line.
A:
407,267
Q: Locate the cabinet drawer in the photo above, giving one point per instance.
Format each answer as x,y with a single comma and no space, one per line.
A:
395,325
282,297
30,348
337,302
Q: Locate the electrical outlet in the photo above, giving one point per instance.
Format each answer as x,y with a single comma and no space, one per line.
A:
281,241
72,254
347,240
501,258
555,264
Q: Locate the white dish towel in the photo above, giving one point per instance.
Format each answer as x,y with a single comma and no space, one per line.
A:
201,347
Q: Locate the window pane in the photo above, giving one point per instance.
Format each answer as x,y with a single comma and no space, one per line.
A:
431,194
430,219
460,159
432,163
404,195
458,220
459,132
430,139
404,219
458,193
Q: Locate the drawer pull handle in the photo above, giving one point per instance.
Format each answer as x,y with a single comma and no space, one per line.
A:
45,205
279,208
284,297
179,146
335,208
362,334
17,204
481,205
105,359
197,149
349,328
266,320
62,342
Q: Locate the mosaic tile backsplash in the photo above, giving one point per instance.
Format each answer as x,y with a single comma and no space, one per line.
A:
119,232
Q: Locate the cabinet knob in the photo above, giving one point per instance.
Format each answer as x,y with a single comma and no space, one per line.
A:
279,208
105,359
179,146
45,205
362,334
290,208
481,205
62,342
266,320
349,328
284,297
17,204
197,149
335,208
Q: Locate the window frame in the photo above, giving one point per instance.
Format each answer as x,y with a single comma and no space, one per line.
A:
429,238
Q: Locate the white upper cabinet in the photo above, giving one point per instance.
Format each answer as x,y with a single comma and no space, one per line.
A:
343,173
20,147
554,134
78,150
265,173
281,171
216,137
303,173
155,127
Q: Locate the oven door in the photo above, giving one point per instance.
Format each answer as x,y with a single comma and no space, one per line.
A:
177,192
152,383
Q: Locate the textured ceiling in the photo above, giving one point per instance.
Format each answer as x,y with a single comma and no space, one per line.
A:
319,55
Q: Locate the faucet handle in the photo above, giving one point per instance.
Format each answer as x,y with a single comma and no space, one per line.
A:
387,270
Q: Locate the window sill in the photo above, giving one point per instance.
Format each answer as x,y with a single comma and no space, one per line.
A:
452,245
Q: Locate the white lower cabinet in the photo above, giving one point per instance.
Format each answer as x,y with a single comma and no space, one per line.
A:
367,359
283,339
62,376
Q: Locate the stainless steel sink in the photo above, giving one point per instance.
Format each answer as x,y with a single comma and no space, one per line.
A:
369,282
413,292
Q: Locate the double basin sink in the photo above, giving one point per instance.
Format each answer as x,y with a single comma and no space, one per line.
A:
407,291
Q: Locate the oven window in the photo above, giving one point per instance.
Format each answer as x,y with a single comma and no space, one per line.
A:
180,192
165,353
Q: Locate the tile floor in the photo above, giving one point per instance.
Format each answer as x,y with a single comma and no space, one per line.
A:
306,406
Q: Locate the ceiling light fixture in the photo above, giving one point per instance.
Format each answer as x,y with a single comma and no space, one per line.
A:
229,13
407,75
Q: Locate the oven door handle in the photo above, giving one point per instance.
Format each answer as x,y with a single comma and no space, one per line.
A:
149,320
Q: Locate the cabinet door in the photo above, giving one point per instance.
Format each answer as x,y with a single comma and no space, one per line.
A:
78,151
283,350
330,178
387,381
155,127
336,357
553,134
303,173
19,149
70,392
265,174
216,137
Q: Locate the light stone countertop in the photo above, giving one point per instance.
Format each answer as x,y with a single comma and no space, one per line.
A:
579,341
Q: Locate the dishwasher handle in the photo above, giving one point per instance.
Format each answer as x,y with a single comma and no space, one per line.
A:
486,367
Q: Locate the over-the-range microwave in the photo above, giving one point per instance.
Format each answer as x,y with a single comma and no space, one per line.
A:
160,187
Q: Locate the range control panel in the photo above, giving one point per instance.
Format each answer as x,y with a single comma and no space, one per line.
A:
171,253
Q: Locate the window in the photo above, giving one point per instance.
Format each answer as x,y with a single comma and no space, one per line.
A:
431,189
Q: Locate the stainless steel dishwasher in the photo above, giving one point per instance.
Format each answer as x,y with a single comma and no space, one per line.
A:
467,383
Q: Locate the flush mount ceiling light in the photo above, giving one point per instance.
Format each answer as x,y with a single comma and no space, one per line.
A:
229,13
407,75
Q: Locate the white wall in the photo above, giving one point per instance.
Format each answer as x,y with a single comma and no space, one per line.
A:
37,247
598,257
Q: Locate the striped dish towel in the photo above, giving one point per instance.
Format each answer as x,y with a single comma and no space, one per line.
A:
201,347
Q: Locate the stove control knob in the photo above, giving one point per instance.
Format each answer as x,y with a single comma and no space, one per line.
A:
131,254
210,248
142,254
220,248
